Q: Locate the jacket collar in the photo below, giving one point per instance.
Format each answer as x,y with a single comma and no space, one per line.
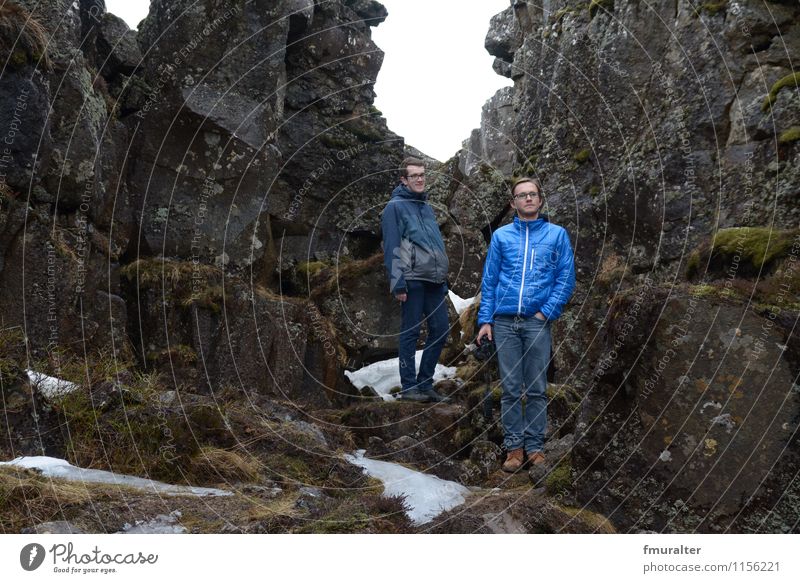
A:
401,191
535,224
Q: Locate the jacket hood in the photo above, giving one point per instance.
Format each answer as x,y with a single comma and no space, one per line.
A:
401,191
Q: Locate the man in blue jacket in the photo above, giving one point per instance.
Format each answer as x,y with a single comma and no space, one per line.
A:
417,265
528,277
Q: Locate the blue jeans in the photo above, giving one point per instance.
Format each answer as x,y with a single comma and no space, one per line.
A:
426,302
523,352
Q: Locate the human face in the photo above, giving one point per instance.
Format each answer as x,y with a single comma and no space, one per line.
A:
527,201
416,179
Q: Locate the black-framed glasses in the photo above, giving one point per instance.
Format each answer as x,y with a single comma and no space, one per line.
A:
524,195
416,177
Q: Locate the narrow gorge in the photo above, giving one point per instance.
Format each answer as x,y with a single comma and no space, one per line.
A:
190,234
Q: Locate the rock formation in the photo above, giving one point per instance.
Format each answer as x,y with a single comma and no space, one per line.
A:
190,230
666,137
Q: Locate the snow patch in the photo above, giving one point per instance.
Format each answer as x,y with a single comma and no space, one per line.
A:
383,376
459,303
58,468
426,496
161,524
50,387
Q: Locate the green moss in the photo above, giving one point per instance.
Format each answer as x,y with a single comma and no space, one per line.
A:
336,142
791,80
703,291
179,354
347,271
365,130
693,264
713,8
190,283
582,156
310,268
18,59
595,5
594,190
209,297
559,479
790,135
758,246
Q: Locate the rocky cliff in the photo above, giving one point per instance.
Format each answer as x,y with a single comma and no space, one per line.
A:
155,179
189,229
666,137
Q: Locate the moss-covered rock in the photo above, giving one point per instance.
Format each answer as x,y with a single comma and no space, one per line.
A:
791,81
742,251
790,135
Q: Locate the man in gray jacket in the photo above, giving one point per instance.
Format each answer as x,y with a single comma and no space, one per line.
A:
416,264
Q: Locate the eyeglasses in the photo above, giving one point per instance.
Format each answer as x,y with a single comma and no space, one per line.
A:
524,195
416,177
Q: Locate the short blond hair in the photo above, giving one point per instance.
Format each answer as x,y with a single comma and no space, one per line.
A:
523,180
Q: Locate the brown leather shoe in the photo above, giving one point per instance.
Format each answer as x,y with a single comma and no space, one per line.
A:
535,458
514,460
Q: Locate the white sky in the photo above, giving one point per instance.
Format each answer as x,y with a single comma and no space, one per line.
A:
436,75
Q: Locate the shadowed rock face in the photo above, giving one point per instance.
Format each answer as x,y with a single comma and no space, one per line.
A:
241,136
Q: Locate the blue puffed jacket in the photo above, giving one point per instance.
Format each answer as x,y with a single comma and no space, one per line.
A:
529,269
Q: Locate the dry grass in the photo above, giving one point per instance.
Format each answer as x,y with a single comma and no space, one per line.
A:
224,465
28,498
151,271
22,37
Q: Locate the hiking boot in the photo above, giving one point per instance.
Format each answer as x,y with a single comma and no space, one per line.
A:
535,458
435,397
514,460
413,395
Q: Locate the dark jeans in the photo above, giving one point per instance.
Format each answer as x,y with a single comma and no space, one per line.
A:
426,302
523,351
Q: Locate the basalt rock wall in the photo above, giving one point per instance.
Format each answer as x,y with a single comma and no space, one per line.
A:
667,138
235,139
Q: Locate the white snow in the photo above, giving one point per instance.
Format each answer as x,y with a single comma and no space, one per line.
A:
425,496
50,387
161,524
459,303
385,375
57,468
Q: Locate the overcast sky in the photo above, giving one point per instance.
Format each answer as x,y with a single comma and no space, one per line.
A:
436,75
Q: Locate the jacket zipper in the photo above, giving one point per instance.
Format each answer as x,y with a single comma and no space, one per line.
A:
524,269
430,242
